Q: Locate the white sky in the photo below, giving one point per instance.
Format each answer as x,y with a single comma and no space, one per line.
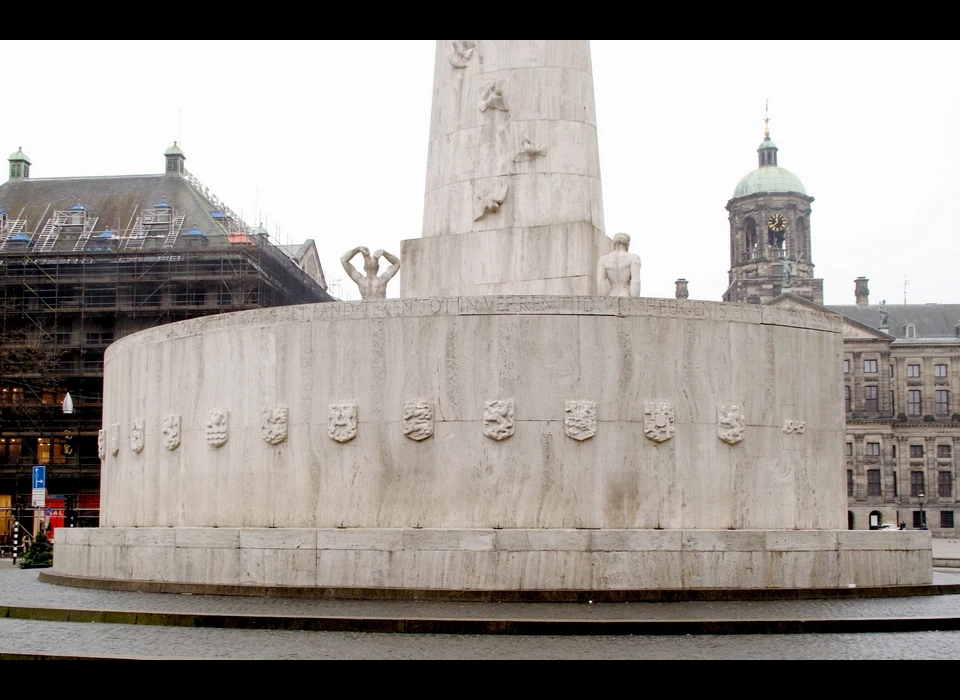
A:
328,140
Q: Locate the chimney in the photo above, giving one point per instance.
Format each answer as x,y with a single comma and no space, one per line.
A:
682,292
860,289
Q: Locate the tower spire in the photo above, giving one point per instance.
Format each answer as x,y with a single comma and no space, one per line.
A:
766,118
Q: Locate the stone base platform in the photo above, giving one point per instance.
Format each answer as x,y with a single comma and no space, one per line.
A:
496,560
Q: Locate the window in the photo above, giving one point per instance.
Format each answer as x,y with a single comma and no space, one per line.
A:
100,296
846,398
895,494
100,338
44,454
913,371
873,449
893,408
849,449
224,298
939,370
917,519
11,394
873,482
10,450
870,366
50,396
916,451
61,338
941,402
893,451
945,484
846,366
943,451
913,402
946,518
916,483
147,294
891,371
870,398
850,482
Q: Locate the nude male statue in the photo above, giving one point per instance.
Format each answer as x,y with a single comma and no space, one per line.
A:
618,273
371,286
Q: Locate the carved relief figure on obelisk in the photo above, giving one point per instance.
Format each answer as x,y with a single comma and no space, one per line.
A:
372,286
618,273
512,202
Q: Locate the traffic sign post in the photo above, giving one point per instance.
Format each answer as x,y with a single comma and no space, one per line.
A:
39,486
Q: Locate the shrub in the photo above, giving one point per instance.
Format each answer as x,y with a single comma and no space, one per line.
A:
40,554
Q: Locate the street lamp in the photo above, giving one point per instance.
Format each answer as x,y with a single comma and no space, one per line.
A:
923,520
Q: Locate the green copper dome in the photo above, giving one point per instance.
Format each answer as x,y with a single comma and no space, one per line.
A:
174,150
19,155
768,178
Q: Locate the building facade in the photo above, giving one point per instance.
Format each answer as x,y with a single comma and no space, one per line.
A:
900,366
85,261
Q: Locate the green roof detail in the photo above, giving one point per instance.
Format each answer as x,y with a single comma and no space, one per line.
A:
769,178
20,155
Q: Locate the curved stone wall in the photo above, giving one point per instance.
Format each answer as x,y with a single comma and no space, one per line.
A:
312,430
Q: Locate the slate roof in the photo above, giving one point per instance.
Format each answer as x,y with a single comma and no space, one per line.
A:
116,200
931,320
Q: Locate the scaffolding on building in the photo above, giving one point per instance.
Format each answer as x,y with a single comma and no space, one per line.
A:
76,291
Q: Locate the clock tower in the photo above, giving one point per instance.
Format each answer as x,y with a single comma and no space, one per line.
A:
770,234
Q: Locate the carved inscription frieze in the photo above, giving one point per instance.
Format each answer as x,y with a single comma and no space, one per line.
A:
102,444
216,427
418,419
115,439
461,53
273,424
498,422
580,421
136,435
658,420
171,431
342,423
730,423
795,426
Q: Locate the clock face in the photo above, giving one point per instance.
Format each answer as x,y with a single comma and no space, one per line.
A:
777,223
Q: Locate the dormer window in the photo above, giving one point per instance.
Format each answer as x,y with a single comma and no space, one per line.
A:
911,331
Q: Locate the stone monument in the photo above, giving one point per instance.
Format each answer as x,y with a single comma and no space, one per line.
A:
501,426
512,201
618,273
371,285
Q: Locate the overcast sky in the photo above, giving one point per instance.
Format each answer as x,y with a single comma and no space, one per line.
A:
328,140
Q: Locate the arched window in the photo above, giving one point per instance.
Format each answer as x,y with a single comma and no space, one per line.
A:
750,239
800,240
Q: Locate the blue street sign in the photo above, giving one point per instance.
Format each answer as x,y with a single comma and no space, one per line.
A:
40,477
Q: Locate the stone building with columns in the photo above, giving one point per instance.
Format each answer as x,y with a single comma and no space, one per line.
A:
900,366
901,375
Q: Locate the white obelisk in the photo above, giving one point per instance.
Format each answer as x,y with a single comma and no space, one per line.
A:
513,203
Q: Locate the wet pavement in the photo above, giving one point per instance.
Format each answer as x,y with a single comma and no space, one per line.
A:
21,592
